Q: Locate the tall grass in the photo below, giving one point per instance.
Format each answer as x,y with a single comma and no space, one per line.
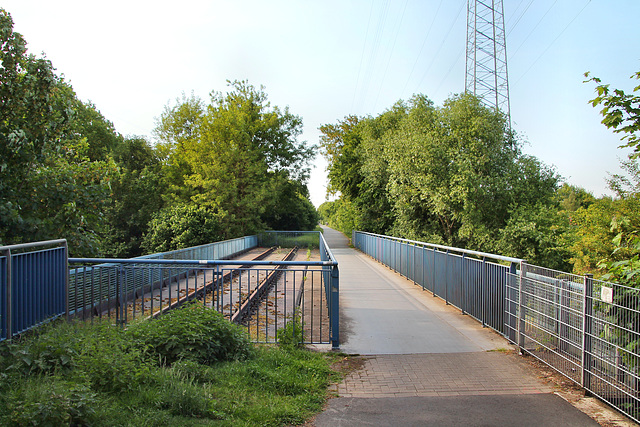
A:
189,367
289,239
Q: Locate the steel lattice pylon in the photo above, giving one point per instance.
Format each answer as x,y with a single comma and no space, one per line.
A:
486,60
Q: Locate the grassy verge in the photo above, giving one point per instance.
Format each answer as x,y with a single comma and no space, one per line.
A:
190,367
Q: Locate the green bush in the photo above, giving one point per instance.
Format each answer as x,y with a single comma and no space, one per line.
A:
109,359
193,332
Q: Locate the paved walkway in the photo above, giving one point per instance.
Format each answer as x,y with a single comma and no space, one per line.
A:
425,362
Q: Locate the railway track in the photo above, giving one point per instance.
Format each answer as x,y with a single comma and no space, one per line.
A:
262,298
261,291
208,286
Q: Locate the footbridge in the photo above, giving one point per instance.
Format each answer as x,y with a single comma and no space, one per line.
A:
438,329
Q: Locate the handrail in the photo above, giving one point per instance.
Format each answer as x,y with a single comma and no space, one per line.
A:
33,244
212,262
449,248
328,249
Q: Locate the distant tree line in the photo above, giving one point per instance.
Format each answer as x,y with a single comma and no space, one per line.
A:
222,169
456,175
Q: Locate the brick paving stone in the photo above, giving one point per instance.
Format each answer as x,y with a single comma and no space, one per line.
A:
415,375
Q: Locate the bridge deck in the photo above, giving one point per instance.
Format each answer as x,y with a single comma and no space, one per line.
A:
426,363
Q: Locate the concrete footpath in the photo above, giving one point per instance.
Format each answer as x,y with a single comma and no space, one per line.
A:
426,363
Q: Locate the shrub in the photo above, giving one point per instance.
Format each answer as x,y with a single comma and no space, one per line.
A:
193,332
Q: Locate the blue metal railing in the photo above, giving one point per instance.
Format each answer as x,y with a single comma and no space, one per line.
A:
110,285
475,282
103,287
33,285
331,277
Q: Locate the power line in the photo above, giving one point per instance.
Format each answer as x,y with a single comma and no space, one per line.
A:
441,44
534,28
374,53
520,17
461,52
554,40
364,48
424,42
391,53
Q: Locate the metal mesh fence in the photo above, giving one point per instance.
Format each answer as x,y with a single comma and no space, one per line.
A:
586,329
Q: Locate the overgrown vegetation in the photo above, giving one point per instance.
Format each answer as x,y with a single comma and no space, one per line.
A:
189,367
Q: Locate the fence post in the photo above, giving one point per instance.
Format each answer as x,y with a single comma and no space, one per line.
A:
483,291
521,316
335,308
565,304
587,313
433,273
424,261
66,282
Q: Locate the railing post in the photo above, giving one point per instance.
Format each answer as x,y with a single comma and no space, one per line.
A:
119,301
433,273
66,281
446,278
521,316
335,308
423,267
463,300
9,297
483,291
587,313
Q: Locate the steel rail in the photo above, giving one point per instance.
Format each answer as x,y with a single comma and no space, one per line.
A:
261,290
197,293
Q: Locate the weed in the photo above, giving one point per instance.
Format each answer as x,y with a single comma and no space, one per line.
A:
292,334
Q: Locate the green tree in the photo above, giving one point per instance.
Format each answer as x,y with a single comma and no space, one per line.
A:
137,194
450,174
289,207
228,155
572,198
183,226
49,186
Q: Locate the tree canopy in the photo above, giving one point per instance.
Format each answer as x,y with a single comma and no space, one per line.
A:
452,174
227,168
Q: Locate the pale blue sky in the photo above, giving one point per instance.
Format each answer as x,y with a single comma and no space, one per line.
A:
328,59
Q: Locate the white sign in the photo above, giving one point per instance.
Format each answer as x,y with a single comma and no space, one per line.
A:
606,294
